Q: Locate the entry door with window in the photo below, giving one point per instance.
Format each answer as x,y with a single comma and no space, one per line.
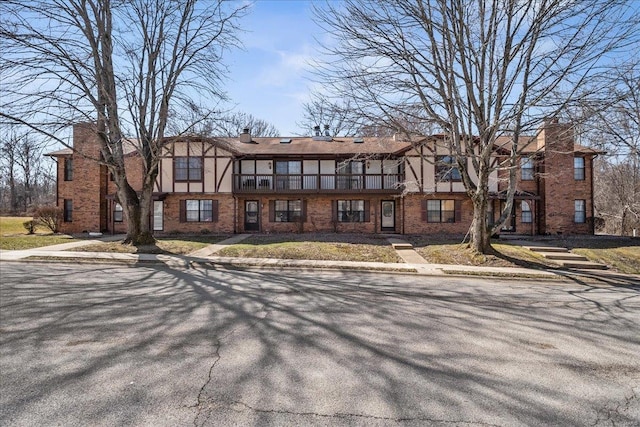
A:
388,210
251,216
158,215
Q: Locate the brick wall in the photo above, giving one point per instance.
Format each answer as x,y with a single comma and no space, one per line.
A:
319,214
414,223
172,223
559,188
87,189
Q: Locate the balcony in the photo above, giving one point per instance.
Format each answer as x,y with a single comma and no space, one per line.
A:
318,183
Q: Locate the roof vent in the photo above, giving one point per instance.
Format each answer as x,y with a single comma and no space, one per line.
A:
285,141
326,130
358,140
245,136
316,130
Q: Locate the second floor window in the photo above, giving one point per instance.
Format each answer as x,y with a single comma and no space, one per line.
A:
349,174
68,169
578,168
526,169
187,169
288,175
292,167
446,169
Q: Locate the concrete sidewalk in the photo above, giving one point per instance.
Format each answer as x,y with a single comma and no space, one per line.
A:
205,257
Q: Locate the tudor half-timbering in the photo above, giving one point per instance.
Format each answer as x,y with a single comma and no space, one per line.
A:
319,183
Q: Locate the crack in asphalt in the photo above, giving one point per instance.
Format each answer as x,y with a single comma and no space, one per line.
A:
362,416
615,414
199,399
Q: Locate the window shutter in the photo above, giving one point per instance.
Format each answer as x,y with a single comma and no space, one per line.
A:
334,211
367,211
304,211
214,210
423,210
272,210
458,210
183,211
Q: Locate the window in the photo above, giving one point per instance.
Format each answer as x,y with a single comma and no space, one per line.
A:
446,171
526,168
289,172
349,174
351,211
287,210
198,210
117,213
67,210
187,169
580,215
578,168
441,211
68,169
527,216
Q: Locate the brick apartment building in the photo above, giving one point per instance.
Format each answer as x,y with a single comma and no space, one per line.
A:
319,183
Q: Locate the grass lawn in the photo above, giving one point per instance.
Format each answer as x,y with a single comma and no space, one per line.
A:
13,236
176,245
620,253
320,246
447,250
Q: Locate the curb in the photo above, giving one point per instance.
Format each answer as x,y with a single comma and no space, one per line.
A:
278,264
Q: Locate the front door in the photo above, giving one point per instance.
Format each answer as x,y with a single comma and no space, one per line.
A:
388,209
510,224
251,216
158,214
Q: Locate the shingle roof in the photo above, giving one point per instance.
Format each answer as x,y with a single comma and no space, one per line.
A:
311,145
261,146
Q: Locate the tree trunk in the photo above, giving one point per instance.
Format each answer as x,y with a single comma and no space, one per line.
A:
480,232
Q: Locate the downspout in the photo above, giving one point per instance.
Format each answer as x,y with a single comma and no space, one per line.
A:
235,214
402,217
593,211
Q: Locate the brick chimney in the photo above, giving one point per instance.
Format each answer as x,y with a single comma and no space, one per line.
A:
556,141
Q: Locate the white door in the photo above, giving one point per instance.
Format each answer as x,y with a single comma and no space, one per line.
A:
388,208
158,211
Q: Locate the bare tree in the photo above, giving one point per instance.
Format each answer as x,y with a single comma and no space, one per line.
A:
321,111
611,122
28,177
125,66
479,70
231,124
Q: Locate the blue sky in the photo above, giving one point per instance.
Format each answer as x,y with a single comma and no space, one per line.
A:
269,78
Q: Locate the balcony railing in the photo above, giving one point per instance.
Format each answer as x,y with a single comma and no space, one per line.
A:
317,183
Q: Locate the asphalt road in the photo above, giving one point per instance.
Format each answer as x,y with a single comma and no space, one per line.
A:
114,345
